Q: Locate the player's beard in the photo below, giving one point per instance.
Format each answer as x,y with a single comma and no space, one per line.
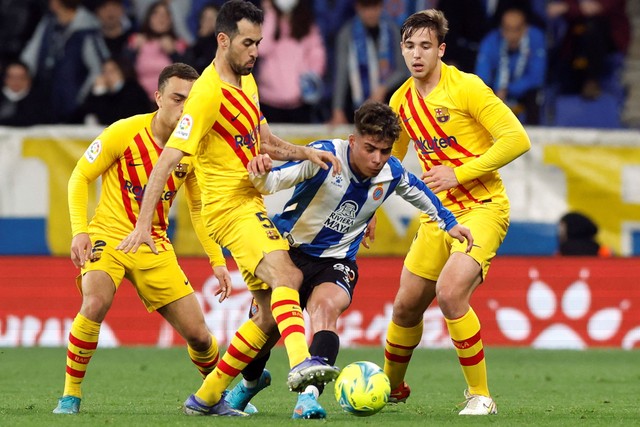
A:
241,69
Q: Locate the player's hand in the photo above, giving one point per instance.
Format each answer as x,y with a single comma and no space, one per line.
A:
224,279
80,249
440,178
260,165
322,158
370,232
137,237
462,233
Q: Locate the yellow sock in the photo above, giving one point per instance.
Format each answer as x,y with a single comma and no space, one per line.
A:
398,350
285,306
83,341
465,334
243,348
206,360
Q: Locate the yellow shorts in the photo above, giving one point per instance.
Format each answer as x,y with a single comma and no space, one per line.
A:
249,234
158,279
432,247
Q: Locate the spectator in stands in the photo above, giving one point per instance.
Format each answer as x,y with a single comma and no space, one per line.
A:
469,22
577,236
116,94
18,20
594,29
115,24
369,63
512,61
330,16
179,11
155,46
399,10
19,105
65,55
200,54
292,56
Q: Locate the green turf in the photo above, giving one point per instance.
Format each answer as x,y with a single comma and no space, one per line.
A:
146,386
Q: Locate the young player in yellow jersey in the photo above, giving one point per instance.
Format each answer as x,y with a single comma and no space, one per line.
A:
462,134
124,155
222,129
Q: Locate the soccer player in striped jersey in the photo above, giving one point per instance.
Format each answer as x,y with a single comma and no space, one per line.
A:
222,129
325,222
463,133
123,155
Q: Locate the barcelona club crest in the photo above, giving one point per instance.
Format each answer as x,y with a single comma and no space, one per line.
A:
442,114
181,170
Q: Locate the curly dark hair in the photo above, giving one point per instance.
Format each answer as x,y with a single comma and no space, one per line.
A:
378,120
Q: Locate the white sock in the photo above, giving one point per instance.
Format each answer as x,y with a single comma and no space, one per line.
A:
250,384
313,390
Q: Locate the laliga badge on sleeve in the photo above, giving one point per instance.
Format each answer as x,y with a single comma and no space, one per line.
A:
93,151
183,130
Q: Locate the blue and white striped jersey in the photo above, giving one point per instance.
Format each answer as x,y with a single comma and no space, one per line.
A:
327,215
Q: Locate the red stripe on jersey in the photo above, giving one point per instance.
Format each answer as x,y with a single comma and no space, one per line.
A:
473,360
82,344
232,142
459,148
425,160
148,166
233,99
423,129
231,118
126,201
239,126
414,136
469,342
397,358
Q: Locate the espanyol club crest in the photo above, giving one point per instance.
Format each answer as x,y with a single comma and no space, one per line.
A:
442,114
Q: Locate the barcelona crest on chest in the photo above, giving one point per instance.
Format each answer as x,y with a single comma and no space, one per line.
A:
442,114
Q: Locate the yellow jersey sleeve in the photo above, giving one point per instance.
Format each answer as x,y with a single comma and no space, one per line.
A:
510,140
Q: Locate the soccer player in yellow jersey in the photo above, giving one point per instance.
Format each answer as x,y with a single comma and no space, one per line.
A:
222,129
124,155
463,133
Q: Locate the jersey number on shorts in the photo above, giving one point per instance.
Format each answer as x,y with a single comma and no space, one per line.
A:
271,230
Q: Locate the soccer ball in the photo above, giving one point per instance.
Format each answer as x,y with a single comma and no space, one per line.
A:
362,389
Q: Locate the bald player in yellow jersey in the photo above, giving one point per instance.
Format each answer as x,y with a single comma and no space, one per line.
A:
123,155
222,129
462,134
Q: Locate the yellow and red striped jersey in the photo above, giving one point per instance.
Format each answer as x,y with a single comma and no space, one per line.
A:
220,125
464,125
124,155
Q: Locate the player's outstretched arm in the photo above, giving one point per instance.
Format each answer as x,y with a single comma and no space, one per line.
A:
279,149
167,162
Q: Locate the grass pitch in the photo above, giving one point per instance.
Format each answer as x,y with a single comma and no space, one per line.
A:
146,386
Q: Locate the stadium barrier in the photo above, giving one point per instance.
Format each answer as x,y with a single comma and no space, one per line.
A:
539,302
592,171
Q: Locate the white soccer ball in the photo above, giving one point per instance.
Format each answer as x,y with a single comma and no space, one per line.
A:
362,389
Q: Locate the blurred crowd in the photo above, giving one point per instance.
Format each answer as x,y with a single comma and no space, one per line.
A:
95,61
